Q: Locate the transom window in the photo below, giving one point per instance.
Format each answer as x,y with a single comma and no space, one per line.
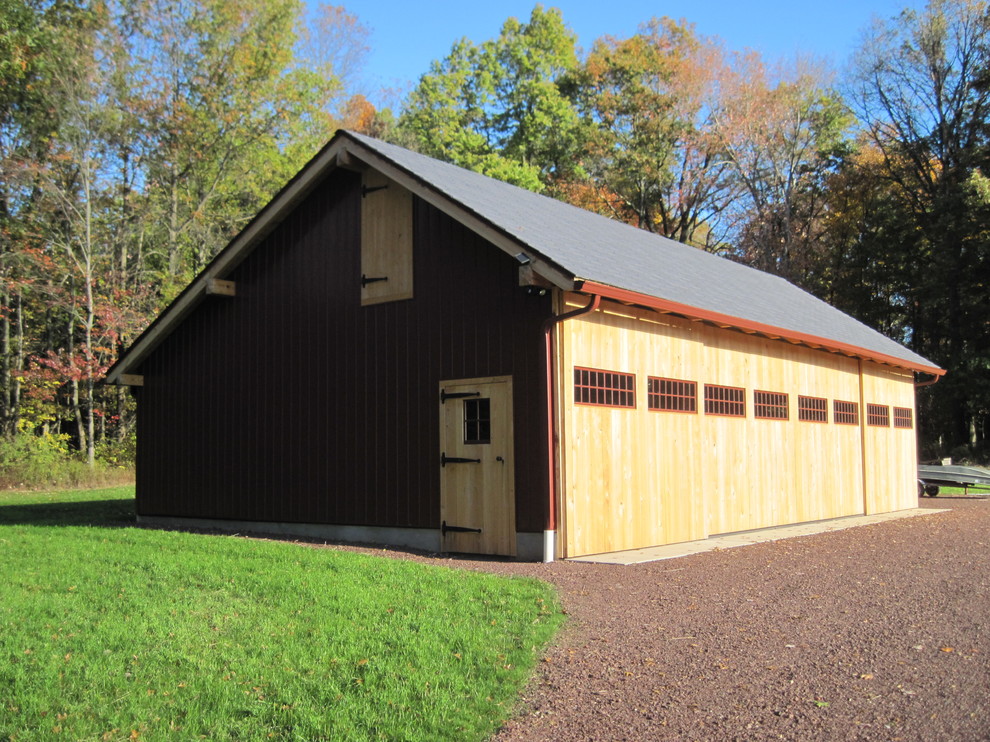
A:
770,405
477,420
813,409
845,413
878,415
672,395
903,418
725,400
604,388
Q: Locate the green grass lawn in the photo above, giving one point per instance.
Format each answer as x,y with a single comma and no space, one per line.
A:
111,632
963,491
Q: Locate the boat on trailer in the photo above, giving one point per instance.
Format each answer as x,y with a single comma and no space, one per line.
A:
931,477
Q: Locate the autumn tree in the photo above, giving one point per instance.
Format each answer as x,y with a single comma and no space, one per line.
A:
652,155
228,114
919,90
83,193
782,130
334,43
136,136
38,40
866,245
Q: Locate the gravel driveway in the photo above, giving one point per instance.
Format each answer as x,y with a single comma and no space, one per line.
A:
879,632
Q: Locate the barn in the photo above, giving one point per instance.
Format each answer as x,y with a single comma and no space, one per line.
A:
399,351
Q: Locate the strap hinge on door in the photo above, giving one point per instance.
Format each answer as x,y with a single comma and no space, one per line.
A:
445,459
445,529
365,280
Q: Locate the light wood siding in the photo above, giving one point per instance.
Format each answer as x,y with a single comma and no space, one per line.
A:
632,477
386,240
890,454
763,473
639,477
478,494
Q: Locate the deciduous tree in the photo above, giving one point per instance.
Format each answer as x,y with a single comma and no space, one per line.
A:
135,137
498,108
782,131
653,157
919,89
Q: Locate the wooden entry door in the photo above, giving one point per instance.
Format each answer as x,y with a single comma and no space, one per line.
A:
477,484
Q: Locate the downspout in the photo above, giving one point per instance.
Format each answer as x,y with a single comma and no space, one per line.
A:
920,385
549,534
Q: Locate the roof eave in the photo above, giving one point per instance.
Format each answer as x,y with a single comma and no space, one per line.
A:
341,151
348,152
750,326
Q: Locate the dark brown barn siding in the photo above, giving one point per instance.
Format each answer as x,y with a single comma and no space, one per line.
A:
292,403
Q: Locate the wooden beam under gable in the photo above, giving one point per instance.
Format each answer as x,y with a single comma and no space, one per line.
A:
528,276
220,287
131,380
346,161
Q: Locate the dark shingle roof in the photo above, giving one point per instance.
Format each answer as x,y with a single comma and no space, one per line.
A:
594,248
574,245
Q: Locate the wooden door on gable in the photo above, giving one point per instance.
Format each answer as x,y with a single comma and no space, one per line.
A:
477,490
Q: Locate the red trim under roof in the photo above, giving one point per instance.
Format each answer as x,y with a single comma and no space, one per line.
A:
663,305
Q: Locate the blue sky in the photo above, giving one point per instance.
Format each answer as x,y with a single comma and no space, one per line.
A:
406,36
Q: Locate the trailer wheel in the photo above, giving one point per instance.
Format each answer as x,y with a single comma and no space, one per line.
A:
931,490
921,488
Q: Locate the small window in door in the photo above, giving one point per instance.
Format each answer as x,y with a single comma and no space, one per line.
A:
477,421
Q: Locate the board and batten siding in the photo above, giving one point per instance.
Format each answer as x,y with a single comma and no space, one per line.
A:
890,453
292,402
632,478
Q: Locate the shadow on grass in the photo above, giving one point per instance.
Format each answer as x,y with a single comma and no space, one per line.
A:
101,513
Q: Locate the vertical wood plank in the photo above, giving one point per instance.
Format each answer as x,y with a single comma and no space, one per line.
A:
386,240
636,478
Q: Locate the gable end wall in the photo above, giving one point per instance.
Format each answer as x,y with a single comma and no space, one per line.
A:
291,403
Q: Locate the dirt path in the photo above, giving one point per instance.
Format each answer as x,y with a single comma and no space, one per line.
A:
878,632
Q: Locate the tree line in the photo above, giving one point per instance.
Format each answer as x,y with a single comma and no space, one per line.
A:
867,188
138,136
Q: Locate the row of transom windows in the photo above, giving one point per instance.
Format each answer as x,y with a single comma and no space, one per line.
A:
618,389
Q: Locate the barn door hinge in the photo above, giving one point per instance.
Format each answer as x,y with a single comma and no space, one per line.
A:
365,190
445,459
445,395
365,280
444,529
